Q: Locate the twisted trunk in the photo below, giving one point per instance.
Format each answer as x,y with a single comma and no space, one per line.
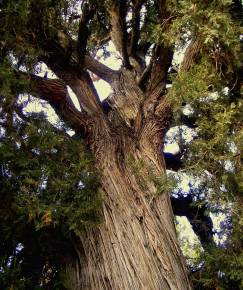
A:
136,245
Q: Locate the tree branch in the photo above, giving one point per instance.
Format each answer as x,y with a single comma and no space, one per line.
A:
83,31
163,54
119,30
191,53
142,81
173,161
137,5
100,69
87,62
27,118
55,92
68,70
162,62
200,221
144,77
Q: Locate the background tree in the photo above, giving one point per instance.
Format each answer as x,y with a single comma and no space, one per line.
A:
135,245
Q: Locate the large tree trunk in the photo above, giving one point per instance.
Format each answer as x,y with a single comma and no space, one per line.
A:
136,245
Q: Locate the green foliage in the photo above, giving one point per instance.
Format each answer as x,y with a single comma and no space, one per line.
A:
215,152
148,179
217,266
48,191
222,266
46,168
198,83
215,155
208,19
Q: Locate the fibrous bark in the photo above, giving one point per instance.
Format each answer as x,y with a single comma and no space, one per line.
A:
135,247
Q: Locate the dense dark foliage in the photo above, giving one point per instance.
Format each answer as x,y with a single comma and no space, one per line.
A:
49,191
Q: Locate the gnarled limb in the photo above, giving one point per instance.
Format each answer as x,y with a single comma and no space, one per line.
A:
137,5
201,223
83,32
88,62
74,76
136,61
162,62
101,70
119,30
162,55
154,114
191,53
55,92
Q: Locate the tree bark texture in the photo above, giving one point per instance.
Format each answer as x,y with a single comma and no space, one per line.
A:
135,247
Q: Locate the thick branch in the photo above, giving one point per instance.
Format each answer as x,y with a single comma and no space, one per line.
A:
69,70
89,62
154,116
163,59
55,92
137,5
201,223
83,31
74,76
191,53
142,81
144,77
100,69
119,29
163,54
173,161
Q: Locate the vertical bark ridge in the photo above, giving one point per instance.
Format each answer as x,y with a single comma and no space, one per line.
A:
136,246
127,96
191,53
119,29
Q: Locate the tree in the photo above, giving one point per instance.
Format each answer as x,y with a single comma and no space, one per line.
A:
135,247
